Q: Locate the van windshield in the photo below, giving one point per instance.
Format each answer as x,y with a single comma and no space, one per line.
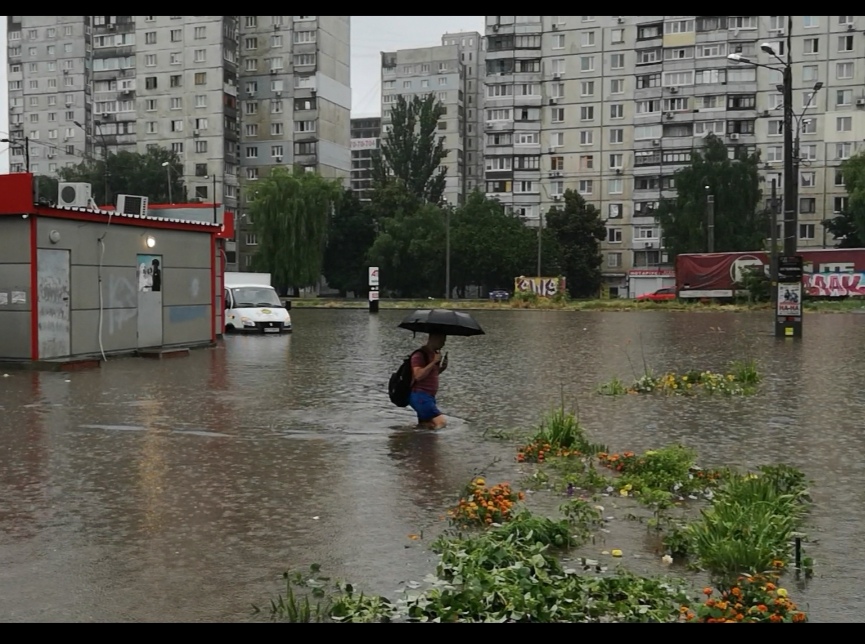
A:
249,297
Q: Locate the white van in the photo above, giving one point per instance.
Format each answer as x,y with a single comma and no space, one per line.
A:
252,305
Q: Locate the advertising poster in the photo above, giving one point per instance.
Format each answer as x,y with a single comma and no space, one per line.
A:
149,273
790,300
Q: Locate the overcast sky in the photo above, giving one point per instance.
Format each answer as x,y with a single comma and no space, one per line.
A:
370,35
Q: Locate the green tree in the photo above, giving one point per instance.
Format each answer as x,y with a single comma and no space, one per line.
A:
131,173
410,252
578,229
489,247
848,228
412,152
350,236
735,186
290,215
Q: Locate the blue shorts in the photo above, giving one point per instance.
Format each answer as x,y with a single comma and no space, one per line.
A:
424,405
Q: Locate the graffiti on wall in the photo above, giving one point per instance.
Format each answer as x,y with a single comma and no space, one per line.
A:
540,286
834,284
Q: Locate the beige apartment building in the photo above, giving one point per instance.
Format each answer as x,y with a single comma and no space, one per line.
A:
612,106
295,104
453,72
234,96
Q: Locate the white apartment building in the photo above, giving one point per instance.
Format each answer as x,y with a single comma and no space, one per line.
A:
613,106
452,73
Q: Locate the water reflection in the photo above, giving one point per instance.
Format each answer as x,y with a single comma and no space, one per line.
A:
179,490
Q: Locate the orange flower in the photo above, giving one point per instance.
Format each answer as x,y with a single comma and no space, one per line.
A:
762,608
707,591
770,587
775,618
735,591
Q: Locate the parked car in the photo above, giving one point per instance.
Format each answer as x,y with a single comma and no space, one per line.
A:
499,295
661,295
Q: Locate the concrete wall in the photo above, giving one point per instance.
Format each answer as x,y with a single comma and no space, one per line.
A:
186,279
14,278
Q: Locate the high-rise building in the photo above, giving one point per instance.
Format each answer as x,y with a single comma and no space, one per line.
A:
296,103
613,106
82,87
447,71
365,144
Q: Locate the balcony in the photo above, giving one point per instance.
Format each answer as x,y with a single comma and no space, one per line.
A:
498,126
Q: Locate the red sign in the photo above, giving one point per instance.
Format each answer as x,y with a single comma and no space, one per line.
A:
830,272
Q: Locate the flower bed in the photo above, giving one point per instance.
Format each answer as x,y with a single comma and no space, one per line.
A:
753,599
741,380
482,505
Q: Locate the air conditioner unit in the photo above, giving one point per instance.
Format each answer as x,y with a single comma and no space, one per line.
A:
273,72
278,94
495,27
620,20
557,197
668,115
555,27
131,205
111,27
850,28
656,142
650,244
618,171
674,90
276,27
553,101
860,102
557,75
734,136
76,195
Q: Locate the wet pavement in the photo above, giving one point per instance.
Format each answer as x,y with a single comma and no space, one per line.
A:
180,490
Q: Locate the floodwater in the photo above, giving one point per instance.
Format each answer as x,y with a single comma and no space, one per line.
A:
180,490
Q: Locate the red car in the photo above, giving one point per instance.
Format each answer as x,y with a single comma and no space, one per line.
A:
661,295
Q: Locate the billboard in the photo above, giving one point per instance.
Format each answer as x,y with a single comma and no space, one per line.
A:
540,286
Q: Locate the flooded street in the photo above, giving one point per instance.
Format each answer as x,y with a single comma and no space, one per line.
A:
181,489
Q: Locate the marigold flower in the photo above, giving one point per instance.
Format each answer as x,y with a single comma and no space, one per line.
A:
707,591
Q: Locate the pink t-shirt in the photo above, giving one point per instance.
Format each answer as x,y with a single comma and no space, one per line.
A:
430,384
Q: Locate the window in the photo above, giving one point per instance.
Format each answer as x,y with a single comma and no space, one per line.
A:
812,45
844,97
648,80
276,40
843,150
617,86
678,79
807,179
251,152
710,77
617,36
806,231
585,186
713,50
558,66
808,152
587,137
617,135
617,111
679,27
150,82
557,114
809,73
679,104
614,260
844,70
741,102
557,163
586,162
177,126
616,161
587,113
175,80
679,53
774,153
200,55
588,39
201,147
809,22
524,138
839,177
587,88
845,43
498,164
844,124
305,37
176,103
615,186
776,127
200,33
807,205
742,22
557,188
524,187
558,41
840,205
647,32
648,107
648,56
201,78
150,105
304,126
643,132
201,124
614,235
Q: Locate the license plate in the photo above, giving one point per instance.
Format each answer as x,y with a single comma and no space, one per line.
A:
271,330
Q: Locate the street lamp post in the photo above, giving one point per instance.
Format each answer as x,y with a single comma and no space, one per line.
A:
447,249
167,167
788,310
710,220
540,240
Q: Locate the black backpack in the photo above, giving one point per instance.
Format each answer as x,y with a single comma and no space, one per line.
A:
399,385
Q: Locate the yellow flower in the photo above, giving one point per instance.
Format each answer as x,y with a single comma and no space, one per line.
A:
623,492
629,487
480,481
782,592
616,552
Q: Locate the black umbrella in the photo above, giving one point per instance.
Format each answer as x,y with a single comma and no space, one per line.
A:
443,321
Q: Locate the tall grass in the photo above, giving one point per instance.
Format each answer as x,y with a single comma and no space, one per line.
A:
561,429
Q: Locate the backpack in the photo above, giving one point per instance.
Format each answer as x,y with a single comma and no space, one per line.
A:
399,385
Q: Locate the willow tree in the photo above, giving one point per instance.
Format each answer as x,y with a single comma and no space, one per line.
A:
290,215
412,152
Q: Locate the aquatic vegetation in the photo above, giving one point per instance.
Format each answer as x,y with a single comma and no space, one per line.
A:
750,599
741,380
558,434
483,506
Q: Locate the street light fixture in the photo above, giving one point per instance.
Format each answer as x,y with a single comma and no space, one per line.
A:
26,140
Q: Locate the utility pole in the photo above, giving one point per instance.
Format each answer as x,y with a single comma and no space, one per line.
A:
710,220
215,216
773,250
540,240
790,179
447,251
